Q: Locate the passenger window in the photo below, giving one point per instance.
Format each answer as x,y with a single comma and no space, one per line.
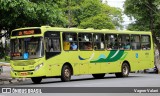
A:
145,42
70,41
135,42
124,42
98,41
85,41
111,40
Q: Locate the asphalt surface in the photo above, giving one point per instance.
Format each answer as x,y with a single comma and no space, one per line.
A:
134,80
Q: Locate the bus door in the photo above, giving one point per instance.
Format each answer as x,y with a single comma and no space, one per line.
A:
146,50
141,47
53,49
136,52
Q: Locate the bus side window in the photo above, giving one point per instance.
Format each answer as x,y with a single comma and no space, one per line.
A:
135,42
98,41
70,41
85,41
145,42
112,42
124,41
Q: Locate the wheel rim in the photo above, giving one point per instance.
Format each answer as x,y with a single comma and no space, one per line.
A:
125,70
67,73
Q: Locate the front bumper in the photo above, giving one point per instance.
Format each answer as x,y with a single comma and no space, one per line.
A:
27,74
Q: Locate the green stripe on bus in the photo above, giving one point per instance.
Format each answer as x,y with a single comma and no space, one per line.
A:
114,55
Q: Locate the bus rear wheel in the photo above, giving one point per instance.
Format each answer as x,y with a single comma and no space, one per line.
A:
98,76
66,73
125,69
36,80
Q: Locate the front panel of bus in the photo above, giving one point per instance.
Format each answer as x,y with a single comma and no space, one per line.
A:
27,53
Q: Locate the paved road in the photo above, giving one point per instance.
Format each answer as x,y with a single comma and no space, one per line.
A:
134,80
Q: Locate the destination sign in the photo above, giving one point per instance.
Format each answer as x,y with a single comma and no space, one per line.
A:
26,32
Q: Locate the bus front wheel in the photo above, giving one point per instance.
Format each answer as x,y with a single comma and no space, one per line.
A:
66,73
36,80
125,69
98,76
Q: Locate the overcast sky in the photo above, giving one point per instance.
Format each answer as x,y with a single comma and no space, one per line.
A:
119,4
116,3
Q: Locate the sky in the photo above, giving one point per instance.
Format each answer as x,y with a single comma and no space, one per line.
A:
116,3
119,4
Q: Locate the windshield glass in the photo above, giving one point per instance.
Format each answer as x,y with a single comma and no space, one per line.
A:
27,48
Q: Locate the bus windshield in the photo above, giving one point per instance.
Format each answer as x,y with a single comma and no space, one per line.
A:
27,48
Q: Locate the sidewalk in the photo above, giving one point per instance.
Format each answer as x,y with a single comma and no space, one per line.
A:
5,77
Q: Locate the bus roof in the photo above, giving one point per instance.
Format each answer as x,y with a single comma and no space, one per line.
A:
48,28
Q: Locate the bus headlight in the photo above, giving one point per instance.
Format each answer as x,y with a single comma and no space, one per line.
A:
38,66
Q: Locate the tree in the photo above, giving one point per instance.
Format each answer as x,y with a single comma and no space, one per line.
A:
64,13
23,13
71,10
146,14
87,13
100,21
94,11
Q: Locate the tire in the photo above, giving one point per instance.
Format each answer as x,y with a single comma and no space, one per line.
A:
66,73
125,69
36,80
98,76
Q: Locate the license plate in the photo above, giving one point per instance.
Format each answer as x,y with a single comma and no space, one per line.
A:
23,73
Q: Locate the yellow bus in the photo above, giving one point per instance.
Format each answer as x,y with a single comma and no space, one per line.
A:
43,52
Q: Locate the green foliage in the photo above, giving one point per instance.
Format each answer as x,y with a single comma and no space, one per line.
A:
138,27
100,21
145,12
64,13
90,8
87,13
22,13
98,15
